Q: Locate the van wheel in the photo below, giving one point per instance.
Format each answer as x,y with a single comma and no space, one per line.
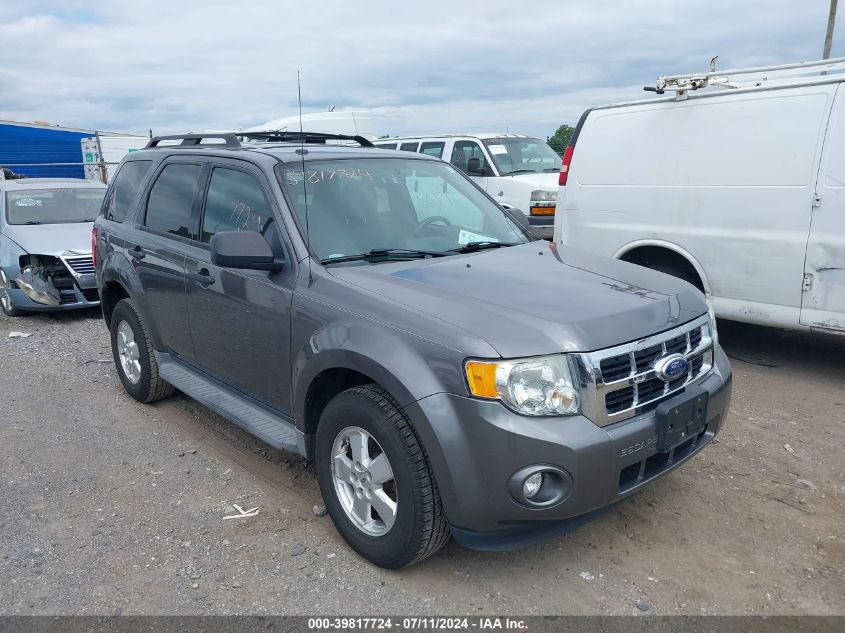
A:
133,355
376,480
6,304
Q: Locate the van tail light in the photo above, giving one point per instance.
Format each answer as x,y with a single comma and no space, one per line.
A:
564,168
94,235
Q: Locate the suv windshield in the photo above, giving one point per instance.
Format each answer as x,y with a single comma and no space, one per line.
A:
514,155
53,206
360,205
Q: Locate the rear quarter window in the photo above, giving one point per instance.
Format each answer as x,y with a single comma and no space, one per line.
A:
124,193
171,199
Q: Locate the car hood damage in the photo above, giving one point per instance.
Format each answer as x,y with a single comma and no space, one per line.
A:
535,298
43,275
52,239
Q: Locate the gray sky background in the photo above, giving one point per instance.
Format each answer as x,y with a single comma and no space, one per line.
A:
419,67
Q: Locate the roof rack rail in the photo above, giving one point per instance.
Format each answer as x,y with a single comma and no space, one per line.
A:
741,77
230,140
305,137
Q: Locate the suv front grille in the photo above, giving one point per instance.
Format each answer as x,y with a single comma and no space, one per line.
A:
621,381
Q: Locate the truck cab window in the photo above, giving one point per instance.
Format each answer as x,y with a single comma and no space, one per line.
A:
463,151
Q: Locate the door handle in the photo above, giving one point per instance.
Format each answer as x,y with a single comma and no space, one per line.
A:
202,277
137,252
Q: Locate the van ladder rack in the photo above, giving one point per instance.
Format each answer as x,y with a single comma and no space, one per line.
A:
741,77
304,137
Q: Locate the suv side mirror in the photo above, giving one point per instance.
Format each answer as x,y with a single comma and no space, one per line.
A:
244,249
474,167
518,216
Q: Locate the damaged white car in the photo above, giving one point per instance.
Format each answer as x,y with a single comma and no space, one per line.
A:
45,244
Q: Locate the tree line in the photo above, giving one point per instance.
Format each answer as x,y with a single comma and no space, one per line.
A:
560,139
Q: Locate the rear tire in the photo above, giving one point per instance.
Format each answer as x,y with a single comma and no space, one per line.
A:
133,355
418,525
6,303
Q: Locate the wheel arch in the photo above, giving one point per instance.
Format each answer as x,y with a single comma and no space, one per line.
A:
110,293
335,372
117,281
349,353
629,253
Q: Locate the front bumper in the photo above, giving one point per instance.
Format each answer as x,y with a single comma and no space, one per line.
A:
76,292
475,446
542,226
71,300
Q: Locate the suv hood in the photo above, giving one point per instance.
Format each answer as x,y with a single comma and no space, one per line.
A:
535,298
52,239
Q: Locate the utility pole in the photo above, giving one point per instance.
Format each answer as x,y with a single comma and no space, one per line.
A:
828,38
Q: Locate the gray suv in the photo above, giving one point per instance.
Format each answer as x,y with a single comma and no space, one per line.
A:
380,314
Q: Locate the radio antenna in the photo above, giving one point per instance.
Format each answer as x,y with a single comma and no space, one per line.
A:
304,178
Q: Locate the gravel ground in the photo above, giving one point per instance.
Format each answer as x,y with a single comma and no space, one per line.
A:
110,506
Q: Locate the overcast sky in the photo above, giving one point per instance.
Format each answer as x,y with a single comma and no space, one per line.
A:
418,66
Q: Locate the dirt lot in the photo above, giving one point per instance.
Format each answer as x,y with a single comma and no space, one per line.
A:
110,506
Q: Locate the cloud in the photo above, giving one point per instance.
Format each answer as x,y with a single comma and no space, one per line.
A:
433,66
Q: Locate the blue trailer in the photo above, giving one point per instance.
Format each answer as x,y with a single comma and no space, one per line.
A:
40,150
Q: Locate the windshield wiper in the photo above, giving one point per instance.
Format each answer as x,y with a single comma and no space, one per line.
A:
32,222
383,255
521,171
470,247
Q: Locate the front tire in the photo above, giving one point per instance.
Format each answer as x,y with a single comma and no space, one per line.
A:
133,355
6,304
376,480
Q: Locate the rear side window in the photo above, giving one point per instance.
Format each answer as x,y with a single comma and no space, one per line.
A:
432,148
169,204
409,147
235,203
386,145
125,190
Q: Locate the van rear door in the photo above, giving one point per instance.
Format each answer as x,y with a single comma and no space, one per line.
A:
823,299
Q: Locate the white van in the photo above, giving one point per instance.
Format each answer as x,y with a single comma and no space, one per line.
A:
739,191
518,171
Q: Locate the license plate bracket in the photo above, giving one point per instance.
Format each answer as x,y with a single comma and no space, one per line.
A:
681,417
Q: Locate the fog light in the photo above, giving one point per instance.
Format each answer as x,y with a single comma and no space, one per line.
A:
532,485
540,485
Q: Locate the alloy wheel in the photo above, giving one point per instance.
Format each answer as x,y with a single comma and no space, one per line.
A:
5,299
127,351
364,481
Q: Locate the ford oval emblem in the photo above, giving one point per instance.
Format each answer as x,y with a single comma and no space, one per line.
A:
671,367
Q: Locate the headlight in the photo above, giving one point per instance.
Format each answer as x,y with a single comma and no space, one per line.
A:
530,386
712,314
541,195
